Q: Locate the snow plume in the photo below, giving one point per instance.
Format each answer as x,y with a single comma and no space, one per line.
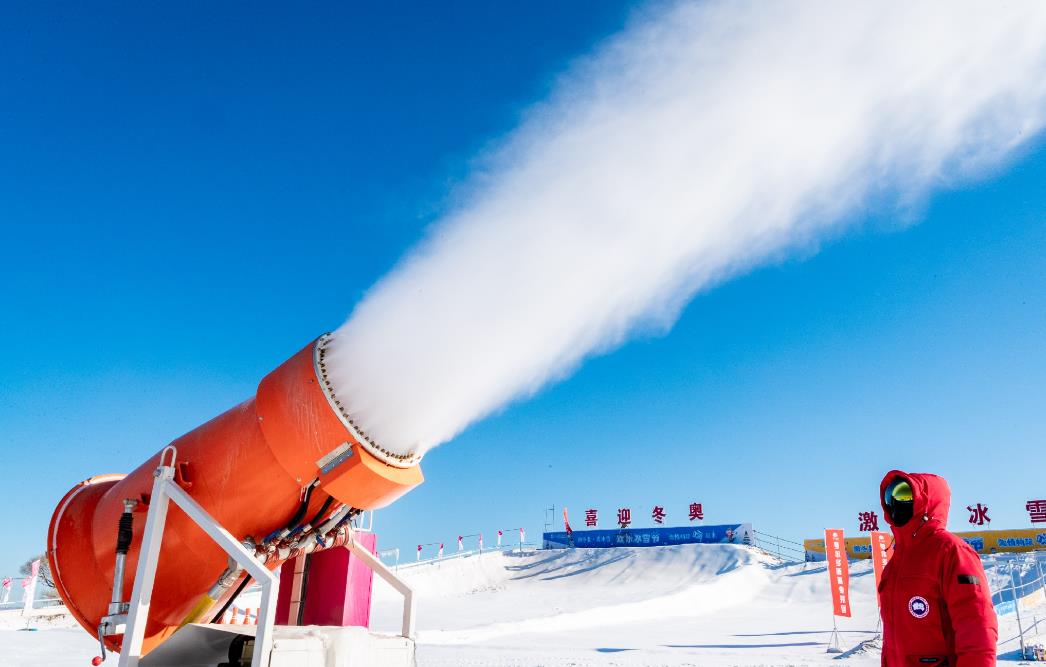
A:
702,140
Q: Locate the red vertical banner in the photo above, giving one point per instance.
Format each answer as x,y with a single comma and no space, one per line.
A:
882,550
838,571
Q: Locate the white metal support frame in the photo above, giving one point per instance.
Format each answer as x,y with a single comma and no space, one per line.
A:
379,568
164,490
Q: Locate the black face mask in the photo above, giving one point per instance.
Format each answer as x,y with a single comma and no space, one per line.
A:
899,500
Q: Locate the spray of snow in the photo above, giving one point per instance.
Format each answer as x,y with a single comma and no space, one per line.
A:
702,140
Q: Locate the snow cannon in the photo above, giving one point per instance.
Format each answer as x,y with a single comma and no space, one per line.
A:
284,472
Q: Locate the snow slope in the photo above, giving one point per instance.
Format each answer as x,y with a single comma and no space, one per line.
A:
690,604
681,605
678,605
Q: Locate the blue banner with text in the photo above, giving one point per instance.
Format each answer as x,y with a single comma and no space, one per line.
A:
734,533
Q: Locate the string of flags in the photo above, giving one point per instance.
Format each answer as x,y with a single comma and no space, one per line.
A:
695,512
461,543
28,586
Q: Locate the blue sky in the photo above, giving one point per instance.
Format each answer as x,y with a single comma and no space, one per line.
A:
188,195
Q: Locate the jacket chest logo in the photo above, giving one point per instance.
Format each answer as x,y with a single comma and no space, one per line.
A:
918,607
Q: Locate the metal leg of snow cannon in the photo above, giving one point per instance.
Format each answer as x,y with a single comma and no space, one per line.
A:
164,490
379,568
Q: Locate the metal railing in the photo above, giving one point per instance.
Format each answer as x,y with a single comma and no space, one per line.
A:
1020,576
527,547
778,546
39,603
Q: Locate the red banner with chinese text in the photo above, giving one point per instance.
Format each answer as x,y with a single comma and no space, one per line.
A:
882,550
838,571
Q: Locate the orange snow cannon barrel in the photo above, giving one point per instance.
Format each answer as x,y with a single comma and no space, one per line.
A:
291,453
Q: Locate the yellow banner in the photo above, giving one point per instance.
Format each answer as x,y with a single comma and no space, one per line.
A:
982,541
856,547
1005,541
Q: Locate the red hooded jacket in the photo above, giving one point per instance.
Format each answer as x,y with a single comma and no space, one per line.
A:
934,597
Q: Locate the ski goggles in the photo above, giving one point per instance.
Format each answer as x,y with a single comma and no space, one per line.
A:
899,490
899,501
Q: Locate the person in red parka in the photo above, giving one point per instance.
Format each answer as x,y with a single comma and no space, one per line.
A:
934,598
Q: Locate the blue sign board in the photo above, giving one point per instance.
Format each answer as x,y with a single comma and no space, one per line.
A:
735,533
1004,608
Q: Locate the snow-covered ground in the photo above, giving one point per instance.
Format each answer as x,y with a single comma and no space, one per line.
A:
680,605
54,638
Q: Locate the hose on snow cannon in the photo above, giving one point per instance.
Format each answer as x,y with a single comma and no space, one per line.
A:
260,469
